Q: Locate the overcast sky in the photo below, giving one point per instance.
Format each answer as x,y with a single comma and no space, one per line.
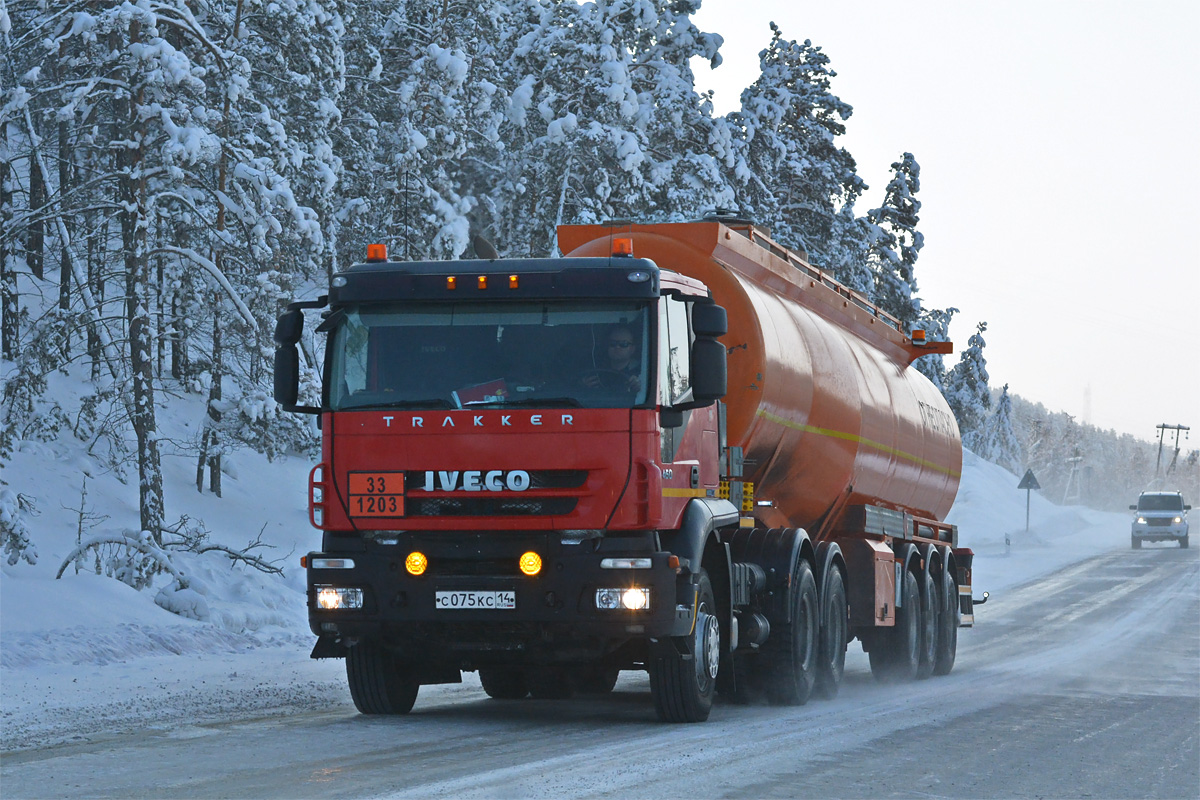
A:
1060,167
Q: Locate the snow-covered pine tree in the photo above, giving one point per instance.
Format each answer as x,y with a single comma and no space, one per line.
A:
996,440
794,176
896,242
687,150
966,386
847,253
428,106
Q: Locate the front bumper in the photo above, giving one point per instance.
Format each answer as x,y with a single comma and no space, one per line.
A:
555,614
1160,533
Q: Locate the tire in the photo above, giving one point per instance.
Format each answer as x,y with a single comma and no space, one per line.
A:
1183,543
550,683
931,606
831,655
1136,543
598,680
378,683
503,683
948,621
683,669
899,650
792,662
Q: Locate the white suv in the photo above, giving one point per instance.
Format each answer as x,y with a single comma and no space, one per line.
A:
1161,516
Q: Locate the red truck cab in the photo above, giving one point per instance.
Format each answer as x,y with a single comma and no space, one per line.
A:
502,443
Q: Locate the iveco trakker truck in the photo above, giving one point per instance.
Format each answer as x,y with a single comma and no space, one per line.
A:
679,448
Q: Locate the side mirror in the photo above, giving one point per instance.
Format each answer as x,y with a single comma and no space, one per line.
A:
1187,508
709,320
1133,508
288,327
709,371
287,373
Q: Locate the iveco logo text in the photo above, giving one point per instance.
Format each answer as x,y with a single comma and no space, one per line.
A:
477,421
476,480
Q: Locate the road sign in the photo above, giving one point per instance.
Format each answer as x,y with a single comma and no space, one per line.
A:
1028,483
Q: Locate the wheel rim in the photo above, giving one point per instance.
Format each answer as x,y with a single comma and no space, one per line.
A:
708,647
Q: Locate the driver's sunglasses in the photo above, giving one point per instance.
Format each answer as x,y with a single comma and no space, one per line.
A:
622,345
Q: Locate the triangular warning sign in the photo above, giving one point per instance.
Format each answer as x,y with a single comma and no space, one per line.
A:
1029,482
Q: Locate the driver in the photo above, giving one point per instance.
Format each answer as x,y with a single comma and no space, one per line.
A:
620,364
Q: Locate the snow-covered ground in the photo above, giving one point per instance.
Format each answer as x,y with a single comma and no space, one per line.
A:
85,655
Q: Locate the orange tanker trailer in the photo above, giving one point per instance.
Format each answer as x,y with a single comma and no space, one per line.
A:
679,448
840,440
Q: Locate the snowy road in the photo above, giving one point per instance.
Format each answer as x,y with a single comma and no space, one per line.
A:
1086,683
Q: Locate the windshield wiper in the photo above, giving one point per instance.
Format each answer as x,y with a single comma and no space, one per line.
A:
552,402
431,402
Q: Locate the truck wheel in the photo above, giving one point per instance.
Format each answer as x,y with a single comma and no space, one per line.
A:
503,683
378,683
831,656
948,622
683,669
895,654
930,612
1183,542
550,683
1135,542
792,663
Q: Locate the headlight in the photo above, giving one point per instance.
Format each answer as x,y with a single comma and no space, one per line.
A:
634,598
1141,520
334,597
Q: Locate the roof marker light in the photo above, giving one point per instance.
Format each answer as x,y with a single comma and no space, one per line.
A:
377,252
451,282
638,276
482,281
918,337
512,281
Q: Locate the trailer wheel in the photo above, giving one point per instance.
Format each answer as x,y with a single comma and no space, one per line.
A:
503,683
948,622
792,663
378,683
930,608
895,654
831,657
683,669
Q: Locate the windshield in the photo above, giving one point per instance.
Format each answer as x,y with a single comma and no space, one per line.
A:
467,355
1160,502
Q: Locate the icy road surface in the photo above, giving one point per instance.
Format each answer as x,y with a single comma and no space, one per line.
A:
1085,683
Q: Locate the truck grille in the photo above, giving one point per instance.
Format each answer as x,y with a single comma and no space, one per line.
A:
538,479
489,506
1159,522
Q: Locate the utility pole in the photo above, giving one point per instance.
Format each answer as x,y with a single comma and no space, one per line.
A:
1072,481
1162,431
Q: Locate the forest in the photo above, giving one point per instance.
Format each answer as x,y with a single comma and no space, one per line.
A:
173,172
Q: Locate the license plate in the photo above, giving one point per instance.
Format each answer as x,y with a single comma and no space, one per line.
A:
467,601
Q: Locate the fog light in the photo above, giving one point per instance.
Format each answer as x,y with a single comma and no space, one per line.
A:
416,563
531,563
633,599
335,597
